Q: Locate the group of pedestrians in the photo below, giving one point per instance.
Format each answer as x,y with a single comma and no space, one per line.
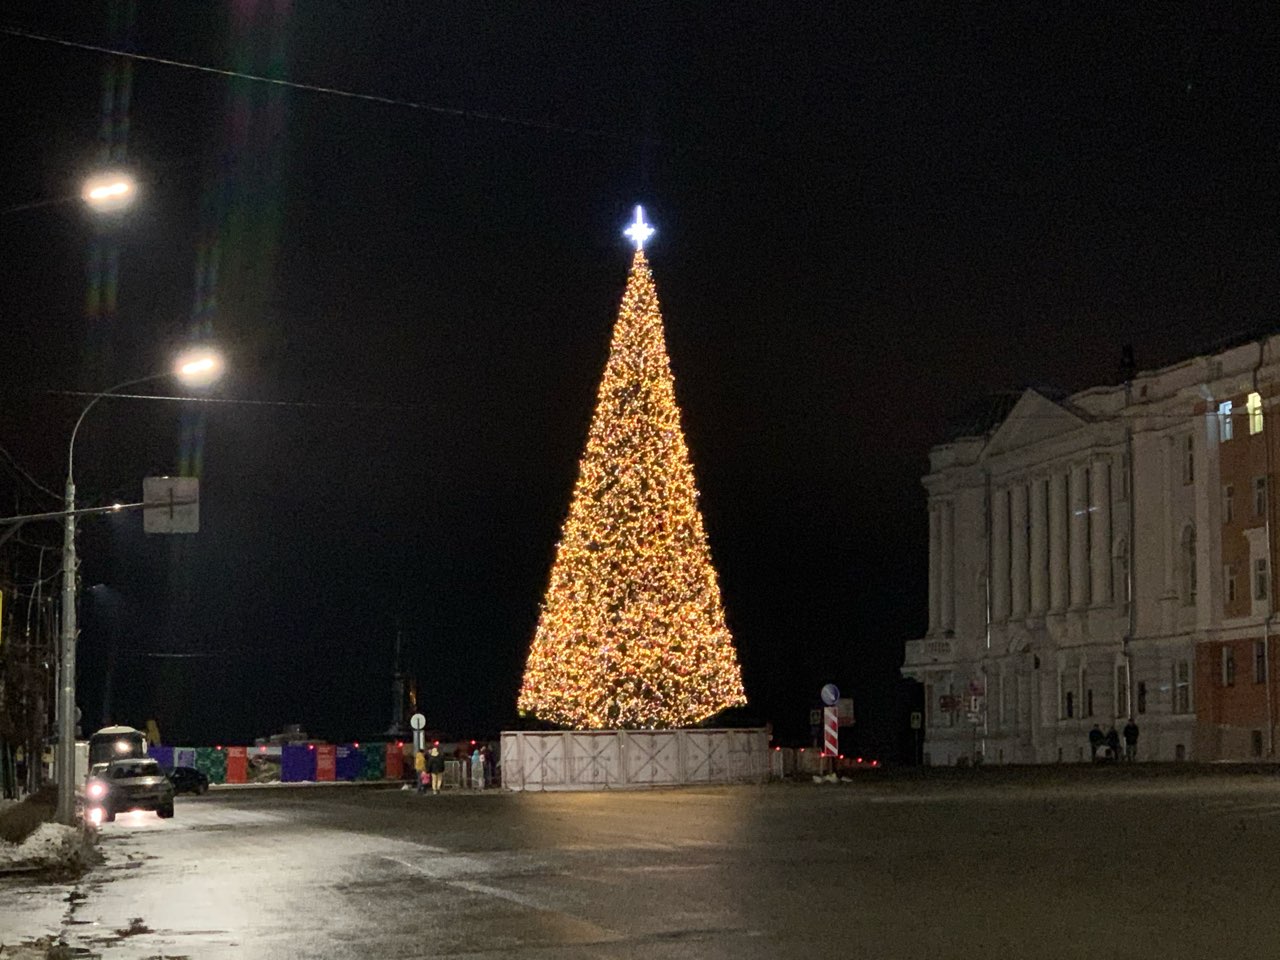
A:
429,767
1111,742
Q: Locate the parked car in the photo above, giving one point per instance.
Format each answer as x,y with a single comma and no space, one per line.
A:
129,784
188,780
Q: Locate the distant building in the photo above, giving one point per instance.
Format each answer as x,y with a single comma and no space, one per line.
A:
1107,555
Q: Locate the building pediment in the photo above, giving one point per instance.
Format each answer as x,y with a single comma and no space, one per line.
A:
1034,419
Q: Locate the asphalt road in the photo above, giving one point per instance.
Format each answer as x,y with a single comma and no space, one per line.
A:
1076,863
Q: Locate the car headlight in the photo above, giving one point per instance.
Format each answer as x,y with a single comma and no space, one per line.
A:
97,789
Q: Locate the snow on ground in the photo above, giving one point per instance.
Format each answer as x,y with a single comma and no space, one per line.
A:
51,845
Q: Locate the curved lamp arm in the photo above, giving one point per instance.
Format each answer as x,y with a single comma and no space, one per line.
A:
71,447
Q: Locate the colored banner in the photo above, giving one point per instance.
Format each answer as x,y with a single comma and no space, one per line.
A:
237,765
162,756
349,760
394,763
326,761
373,761
297,763
212,762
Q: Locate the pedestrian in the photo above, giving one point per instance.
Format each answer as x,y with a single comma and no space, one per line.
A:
435,768
1096,736
1113,743
477,768
1131,741
420,768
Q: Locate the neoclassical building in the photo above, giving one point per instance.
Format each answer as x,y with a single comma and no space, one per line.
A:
1106,555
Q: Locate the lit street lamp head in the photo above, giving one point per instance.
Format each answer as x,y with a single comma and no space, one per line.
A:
199,367
108,192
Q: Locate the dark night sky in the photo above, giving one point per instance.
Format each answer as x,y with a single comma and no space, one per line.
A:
870,215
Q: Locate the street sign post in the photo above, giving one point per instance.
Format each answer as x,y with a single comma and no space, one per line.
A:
830,694
917,720
830,732
171,505
418,723
844,710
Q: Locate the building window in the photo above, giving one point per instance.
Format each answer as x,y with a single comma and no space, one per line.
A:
1228,665
1122,689
1259,661
1182,686
1229,578
1189,459
1254,406
1188,564
1257,743
1259,496
1228,503
1088,703
1067,694
1224,421
1261,579
1142,696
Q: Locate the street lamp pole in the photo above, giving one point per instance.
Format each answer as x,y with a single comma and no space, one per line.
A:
198,368
66,754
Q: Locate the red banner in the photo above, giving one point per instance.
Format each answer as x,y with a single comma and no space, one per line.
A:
237,764
326,761
395,761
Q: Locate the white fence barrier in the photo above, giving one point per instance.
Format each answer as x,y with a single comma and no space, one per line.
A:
626,759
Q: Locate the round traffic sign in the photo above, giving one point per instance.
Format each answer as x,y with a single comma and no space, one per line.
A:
418,722
830,694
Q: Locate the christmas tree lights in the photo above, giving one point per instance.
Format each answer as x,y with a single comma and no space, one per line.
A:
632,632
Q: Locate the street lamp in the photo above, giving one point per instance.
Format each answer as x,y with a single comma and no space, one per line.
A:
109,191
195,368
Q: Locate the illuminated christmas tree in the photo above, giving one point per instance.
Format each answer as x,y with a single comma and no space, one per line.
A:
632,633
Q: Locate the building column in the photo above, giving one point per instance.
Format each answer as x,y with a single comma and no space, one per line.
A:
1018,553
1079,533
1100,530
1058,517
935,563
1039,547
947,588
1000,554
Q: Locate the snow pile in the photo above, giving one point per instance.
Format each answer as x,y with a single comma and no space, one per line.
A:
51,846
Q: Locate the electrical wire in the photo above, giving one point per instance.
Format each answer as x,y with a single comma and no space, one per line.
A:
420,105
21,472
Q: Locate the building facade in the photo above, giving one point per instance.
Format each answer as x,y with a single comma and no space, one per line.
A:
1103,556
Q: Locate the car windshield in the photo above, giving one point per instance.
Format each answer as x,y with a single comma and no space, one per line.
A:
122,771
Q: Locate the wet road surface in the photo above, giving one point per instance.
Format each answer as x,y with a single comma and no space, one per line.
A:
1047,865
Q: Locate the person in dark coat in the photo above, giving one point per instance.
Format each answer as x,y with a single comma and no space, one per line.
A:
435,767
1096,737
1113,742
1131,741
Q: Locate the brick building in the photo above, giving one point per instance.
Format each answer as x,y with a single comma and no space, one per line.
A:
1107,555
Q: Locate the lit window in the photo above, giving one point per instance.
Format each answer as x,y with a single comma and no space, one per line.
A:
1261,579
1224,420
1122,690
1181,687
1188,565
1254,406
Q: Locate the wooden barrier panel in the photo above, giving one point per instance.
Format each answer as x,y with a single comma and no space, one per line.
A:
628,759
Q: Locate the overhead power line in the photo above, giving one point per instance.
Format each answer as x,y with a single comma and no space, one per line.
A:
421,105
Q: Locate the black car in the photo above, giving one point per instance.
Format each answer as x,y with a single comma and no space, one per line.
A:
188,780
